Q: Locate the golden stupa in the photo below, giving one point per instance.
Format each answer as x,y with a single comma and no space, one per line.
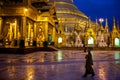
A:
69,15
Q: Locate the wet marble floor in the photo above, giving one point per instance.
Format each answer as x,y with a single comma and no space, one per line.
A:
59,65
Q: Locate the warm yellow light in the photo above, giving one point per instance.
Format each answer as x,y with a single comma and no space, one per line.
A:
13,24
101,73
29,73
26,9
59,40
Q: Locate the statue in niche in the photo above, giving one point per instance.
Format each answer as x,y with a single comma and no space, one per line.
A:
102,42
78,42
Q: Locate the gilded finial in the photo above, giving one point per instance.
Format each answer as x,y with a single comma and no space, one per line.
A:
106,24
96,21
114,25
118,25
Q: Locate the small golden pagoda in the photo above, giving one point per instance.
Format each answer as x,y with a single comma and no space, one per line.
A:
115,35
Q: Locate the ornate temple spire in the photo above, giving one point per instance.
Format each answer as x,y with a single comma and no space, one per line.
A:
106,25
96,25
114,24
118,27
101,21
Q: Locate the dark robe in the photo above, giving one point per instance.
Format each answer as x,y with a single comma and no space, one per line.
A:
88,65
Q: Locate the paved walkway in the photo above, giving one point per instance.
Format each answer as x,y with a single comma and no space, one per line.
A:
60,65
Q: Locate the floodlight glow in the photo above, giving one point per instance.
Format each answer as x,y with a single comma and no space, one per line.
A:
101,20
26,9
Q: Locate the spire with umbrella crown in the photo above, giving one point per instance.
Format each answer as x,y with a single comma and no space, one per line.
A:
106,26
114,23
101,27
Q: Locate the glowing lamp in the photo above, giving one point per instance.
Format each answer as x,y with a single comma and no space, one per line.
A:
26,9
101,20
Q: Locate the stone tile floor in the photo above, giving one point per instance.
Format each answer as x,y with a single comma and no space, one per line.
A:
59,65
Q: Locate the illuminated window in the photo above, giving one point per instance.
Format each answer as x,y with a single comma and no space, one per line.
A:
90,40
59,40
117,42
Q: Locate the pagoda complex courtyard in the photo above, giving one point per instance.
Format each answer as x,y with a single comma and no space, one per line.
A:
59,65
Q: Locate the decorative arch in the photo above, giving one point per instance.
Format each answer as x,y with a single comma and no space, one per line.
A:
117,42
90,40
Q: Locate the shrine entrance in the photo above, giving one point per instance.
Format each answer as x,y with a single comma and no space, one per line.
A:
117,42
90,42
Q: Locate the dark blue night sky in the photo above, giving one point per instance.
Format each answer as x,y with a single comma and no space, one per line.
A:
100,9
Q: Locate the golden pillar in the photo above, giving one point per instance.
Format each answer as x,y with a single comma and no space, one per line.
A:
15,32
23,27
0,25
1,36
10,32
15,29
28,39
34,37
23,31
35,31
46,31
29,31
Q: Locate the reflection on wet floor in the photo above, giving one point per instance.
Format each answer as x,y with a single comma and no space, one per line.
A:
117,57
60,56
59,65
